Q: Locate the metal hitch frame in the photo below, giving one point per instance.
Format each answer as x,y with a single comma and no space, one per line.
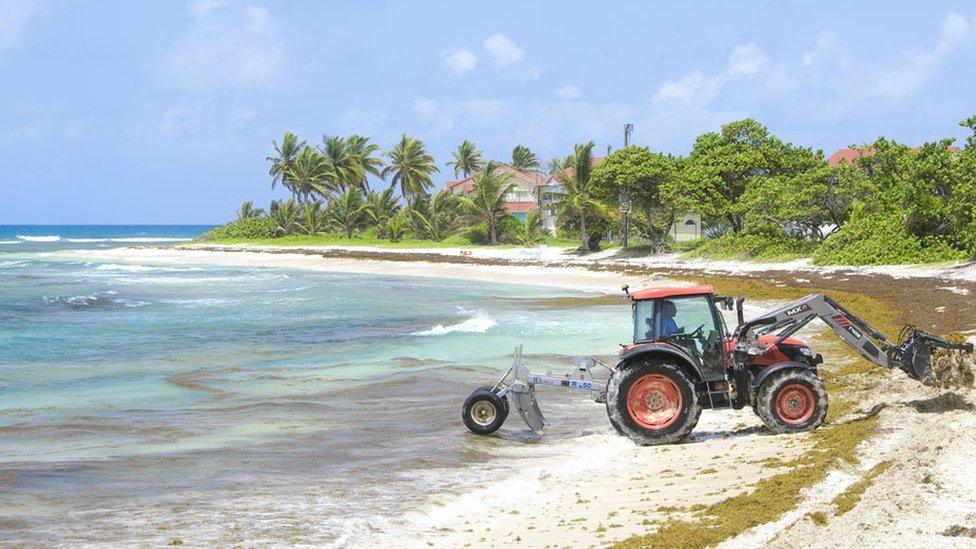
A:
519,384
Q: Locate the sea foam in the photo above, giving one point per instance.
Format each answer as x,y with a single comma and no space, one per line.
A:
479,323
51,238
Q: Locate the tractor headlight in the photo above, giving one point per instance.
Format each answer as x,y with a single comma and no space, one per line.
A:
806,351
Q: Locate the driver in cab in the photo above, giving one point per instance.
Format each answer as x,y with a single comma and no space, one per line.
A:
668,325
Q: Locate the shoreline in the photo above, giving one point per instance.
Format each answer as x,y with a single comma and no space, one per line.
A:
558,502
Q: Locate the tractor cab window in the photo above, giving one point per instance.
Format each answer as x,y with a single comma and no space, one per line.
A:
689,323
643,321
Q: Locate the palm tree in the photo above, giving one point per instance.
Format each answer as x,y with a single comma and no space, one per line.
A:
523,159
440,216
532,229
336,153
313,219
311,173
467,159
285,216
248,210
284,159
346,211
380,208
557,165
366,159
488,201
411,166
576,196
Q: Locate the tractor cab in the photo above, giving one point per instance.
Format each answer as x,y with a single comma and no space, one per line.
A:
685,321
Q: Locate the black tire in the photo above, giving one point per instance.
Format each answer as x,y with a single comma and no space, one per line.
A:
483,411
676,428
504,399
792,401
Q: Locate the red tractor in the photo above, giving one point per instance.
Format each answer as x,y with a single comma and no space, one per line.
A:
683,359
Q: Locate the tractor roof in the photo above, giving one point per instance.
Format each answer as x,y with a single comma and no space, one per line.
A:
661,293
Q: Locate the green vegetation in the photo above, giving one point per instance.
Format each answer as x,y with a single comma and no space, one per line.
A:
760,198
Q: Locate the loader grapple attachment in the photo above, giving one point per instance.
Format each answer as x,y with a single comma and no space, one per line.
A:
913,355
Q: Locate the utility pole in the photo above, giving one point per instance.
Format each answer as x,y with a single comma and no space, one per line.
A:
624,199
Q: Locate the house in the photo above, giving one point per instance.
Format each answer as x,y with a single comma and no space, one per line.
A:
850,155
520,200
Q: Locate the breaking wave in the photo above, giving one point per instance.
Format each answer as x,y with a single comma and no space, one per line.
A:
97,300
52,238
10,241
479,323
86,240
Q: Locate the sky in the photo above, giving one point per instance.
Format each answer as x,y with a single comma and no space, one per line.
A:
165,111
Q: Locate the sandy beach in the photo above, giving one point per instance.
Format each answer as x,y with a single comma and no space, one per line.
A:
599,497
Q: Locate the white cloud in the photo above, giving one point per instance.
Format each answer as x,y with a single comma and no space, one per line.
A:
444,117
362,121
746,60
503,51
14,15
227,45
459,61
836,72
569,92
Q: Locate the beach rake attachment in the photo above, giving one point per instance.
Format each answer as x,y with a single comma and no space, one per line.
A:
485,409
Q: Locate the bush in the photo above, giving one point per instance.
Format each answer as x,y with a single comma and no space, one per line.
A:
477,234
766,244
248,228
881,240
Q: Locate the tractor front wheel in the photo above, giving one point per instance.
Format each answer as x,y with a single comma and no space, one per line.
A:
792,401
653,403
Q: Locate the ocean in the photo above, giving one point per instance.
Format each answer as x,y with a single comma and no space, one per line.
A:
143,403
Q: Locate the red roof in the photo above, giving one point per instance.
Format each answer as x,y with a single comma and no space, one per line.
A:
850,155
529,178
519,207
658,293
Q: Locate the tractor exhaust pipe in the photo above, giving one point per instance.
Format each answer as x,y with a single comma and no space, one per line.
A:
738,310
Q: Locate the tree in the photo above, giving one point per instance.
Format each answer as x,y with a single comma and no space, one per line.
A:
285,216
410,166
380,208
311,173
283,160
438,217
467,159
971,124
576,196
248,210
365,157
532,229
344,170
651,183
487,201
724,163
346,211
524,159
313,219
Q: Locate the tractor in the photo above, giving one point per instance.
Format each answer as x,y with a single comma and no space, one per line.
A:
683,358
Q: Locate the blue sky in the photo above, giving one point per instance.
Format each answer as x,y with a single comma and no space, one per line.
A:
164,112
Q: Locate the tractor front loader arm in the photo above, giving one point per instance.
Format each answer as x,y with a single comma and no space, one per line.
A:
912,353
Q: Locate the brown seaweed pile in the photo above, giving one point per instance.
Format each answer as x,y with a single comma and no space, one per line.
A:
954,369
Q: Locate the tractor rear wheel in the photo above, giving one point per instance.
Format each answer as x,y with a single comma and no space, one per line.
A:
792,401
653,403
483,412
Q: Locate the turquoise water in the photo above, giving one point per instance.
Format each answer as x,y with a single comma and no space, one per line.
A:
302,406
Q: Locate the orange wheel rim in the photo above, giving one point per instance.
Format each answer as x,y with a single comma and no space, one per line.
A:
654,401
795,404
